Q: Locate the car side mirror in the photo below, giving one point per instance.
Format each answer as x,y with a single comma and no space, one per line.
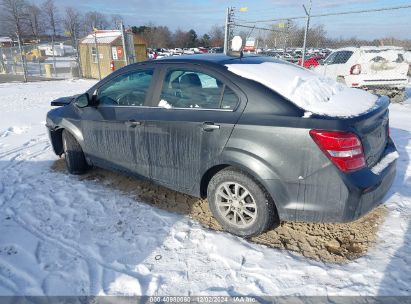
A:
82,101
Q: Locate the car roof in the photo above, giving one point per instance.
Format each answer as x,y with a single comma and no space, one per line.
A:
370,48
220,59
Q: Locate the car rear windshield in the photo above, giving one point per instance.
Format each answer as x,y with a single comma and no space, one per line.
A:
339,57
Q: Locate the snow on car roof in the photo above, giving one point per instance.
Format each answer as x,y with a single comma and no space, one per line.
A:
370,48
309,91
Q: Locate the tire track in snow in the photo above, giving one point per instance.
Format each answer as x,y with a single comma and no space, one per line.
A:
77,252
72,248
25,147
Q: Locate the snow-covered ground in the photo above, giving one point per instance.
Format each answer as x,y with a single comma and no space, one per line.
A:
60,235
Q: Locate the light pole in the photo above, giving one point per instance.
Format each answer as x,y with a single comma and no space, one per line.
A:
307,25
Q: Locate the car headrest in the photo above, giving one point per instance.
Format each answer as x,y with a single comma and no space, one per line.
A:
175,84
190,80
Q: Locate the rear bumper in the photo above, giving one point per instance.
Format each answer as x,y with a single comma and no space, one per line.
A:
367,189
334,197
357,82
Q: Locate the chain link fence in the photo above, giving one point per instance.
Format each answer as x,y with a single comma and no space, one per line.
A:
94,56
355,48
40,61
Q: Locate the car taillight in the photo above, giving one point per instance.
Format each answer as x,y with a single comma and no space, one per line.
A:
344,149
355,69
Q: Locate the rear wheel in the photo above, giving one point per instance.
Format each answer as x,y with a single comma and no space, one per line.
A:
73,153
240,204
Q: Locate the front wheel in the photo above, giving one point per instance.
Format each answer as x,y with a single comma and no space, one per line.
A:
240,204
73,153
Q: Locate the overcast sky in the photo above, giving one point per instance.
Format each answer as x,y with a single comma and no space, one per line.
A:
202,14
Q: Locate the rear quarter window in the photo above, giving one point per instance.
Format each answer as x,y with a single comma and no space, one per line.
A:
339,57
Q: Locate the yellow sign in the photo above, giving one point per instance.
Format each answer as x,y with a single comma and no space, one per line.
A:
281,25
243,9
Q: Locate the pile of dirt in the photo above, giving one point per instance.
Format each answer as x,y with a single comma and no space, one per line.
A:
335,243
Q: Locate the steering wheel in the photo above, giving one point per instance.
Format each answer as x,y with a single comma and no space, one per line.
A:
124,99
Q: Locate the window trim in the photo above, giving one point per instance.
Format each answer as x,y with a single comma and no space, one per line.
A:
195,68
161,108
93,55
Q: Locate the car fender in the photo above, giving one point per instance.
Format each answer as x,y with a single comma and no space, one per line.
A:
263,172
74,130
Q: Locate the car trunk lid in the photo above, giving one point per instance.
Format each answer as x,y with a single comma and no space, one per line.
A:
373,131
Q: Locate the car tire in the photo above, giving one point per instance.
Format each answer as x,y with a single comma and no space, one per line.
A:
73,154
237,212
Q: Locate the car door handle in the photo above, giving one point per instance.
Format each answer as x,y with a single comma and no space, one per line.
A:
210,126
133,123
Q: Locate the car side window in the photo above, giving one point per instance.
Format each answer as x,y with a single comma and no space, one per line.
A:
194,89
340,57
126,90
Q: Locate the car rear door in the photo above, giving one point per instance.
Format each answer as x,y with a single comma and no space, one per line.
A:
114,130
193,113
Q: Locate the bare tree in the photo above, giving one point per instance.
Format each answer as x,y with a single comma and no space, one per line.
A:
95,20
50,12
217,36
116,21
51,16
34,20
13,15
181,38
155,36
72,22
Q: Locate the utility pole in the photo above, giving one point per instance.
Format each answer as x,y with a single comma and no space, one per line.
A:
77,53
22,58
287,34
307,26
227,30
123,39
54,55
97,54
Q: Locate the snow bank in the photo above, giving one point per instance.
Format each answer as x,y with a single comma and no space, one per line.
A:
307,90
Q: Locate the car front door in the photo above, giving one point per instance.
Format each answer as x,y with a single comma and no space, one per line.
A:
191,119
113,131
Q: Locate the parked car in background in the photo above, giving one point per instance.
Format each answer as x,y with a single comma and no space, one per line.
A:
161,52
311,62
151,54
195,125
177,51
202,50
370,68
407,58
216,50
288,57
188,51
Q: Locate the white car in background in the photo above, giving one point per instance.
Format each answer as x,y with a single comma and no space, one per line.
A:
177,51
379,69
407,58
